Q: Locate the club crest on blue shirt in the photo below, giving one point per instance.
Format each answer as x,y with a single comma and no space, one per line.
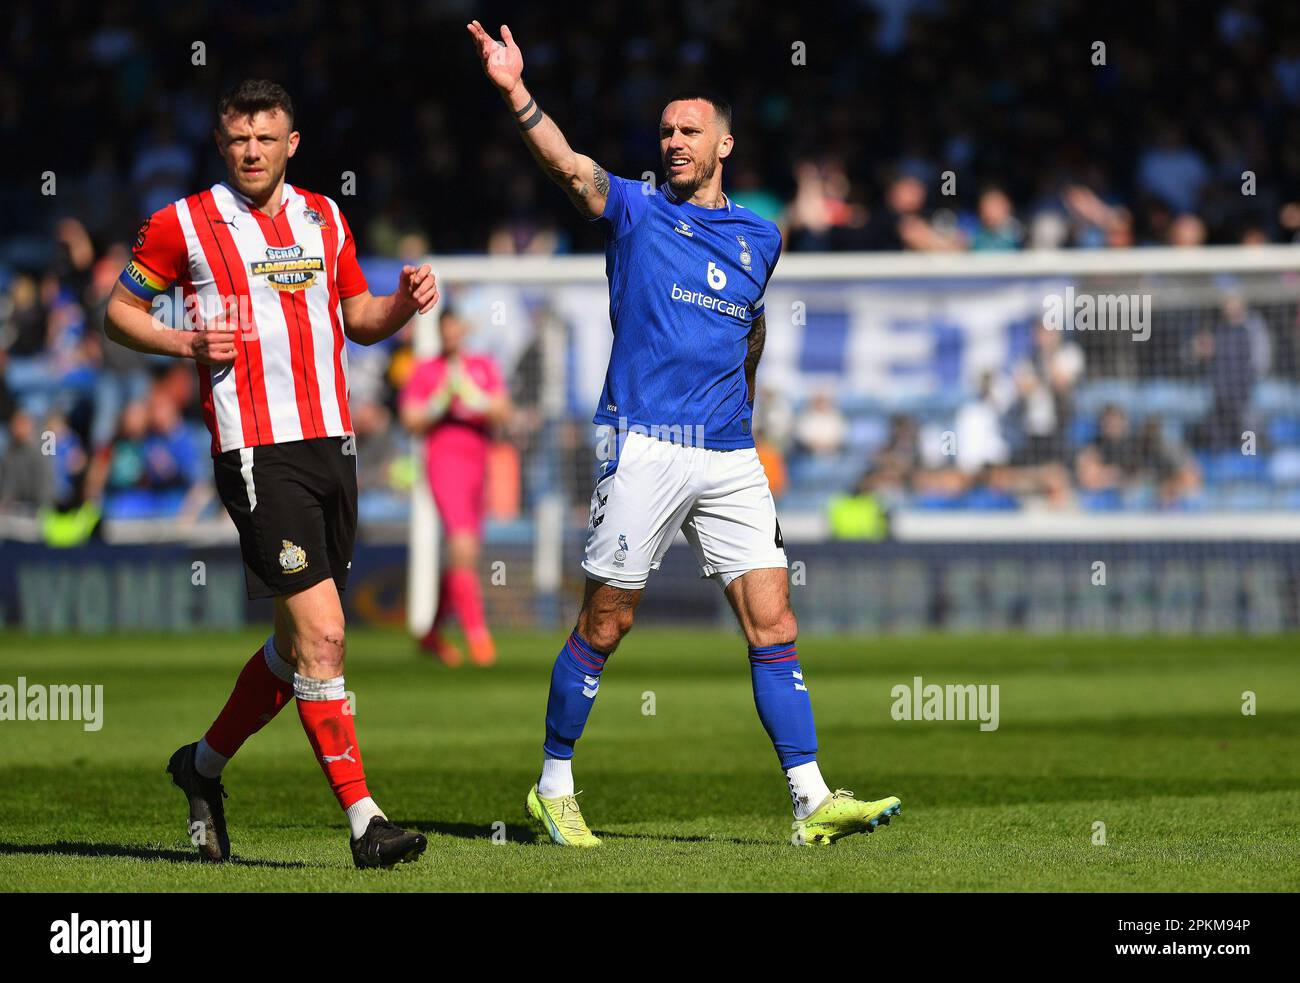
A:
746,257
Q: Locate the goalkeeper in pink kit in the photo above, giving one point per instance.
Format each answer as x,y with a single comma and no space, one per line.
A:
454,400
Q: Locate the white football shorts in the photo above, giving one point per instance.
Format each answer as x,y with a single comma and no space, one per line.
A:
719,499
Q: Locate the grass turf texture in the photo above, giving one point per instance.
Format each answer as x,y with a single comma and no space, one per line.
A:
1145,735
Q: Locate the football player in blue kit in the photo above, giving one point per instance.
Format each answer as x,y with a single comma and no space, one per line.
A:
687,271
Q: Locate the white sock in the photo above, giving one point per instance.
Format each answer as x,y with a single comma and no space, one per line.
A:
207,762
808,789
557,778
276,664
360,813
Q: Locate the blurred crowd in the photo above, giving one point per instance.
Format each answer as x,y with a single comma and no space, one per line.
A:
863,124
1057,429
869,125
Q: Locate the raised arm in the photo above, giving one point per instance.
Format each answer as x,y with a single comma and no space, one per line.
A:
580,177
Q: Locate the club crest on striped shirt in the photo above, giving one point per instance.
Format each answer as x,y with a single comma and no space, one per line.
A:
286,268
292,558
314,217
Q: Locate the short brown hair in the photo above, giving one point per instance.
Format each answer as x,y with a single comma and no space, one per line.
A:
253,96
721,108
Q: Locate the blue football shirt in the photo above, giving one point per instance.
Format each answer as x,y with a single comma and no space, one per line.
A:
685,284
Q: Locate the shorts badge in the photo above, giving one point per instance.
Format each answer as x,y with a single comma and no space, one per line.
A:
292,558
620,554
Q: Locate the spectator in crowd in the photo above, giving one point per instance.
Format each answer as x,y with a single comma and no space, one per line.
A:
820,429
899,458
998,227
382,450
8,404
1187,231
1172,170
123,374
1114,458
901,222
773,423
26,472
1044,402
1097,223
822,214
1230,355
980,443
162,168
69,457
151,467
1119,461
1167,465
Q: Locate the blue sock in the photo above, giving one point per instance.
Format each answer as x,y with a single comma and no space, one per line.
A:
783,703
574,682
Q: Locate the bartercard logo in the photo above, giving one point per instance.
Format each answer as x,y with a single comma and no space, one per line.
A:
102,937
709,302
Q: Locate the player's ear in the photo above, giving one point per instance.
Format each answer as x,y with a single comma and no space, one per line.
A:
725,145
293,142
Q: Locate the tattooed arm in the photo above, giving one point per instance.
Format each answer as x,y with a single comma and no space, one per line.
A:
757,336
580,177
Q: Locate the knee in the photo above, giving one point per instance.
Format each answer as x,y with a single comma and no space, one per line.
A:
463,551
321,647
773,627
603,630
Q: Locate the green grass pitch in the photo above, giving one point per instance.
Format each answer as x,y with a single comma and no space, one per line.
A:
1144,735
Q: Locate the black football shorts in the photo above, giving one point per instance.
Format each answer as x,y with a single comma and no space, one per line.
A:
295,506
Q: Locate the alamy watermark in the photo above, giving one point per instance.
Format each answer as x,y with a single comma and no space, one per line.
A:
611,438
36,701
955,701
1098,312
76,936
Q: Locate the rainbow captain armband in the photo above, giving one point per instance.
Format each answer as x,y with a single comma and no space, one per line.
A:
142,281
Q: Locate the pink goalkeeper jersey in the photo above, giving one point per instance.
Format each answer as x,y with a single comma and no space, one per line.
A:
461,430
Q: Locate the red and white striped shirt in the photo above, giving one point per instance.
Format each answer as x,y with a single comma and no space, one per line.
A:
289,273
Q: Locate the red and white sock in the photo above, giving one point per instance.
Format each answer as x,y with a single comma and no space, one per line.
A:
263,688
331,729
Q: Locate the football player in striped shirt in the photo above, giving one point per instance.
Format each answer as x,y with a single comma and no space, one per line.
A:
266,278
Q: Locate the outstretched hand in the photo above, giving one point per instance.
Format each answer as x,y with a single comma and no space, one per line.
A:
503,62
419,287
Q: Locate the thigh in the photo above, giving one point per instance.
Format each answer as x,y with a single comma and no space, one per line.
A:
638,505
458,495
732,526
